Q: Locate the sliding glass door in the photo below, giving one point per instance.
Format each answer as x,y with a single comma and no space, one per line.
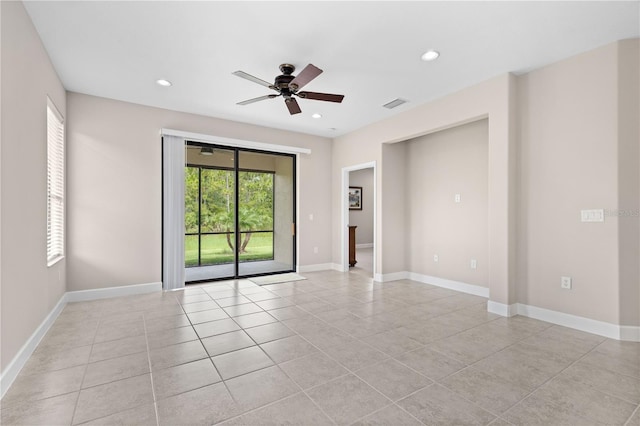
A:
266,213
239,213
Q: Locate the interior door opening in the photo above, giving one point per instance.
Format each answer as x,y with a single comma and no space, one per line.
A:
239,213
367,201
361,206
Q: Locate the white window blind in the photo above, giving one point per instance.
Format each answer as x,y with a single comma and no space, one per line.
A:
55,184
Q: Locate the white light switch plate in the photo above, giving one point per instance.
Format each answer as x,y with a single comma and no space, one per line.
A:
594,215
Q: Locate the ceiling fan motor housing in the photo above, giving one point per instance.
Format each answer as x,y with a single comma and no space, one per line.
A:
282,81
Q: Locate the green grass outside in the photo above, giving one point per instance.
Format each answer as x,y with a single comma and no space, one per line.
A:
215,249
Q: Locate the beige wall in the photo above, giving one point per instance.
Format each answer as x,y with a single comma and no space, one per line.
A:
363,219
437,167
114,188
30,290
393,235
629,180
576,123
568,162
560,139
9,355
493,99
282,207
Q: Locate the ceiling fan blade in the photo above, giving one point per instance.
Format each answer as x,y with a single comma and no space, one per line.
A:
321,96
305,76
261,98
249,77
293,106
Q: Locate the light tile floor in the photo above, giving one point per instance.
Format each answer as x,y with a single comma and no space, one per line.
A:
364,256
333,349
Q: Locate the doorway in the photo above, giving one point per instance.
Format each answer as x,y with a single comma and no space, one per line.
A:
369,265
239,212
361,219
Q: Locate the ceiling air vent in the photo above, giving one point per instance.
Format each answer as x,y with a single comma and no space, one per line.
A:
394,103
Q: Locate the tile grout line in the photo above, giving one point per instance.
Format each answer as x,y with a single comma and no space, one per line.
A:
425,346
334,288
349,372
636,411
620,374
153,391
282,371
550,378
205,350
86,367
468,366
142,311
260,369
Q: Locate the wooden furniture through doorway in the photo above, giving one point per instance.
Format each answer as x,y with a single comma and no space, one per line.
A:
352,245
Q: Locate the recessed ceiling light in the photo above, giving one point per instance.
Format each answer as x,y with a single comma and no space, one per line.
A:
316,115
163,82
430,55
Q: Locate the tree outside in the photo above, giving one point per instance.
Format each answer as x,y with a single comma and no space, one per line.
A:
215,204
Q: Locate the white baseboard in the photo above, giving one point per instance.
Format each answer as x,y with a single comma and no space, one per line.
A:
601,328
21,358
393,276
338,267
630,333
364,245
18,362
437,281
105,293
612,331
451,284
316,267
502,309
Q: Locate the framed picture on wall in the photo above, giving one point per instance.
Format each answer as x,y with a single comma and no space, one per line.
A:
355,198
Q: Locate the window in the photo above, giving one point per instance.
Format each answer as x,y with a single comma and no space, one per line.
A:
55,184
210,236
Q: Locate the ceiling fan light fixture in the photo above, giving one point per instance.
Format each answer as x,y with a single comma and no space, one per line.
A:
164,83
206,150
316,115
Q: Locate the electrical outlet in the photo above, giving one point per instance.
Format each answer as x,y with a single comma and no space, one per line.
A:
457,198
315,250
474,264
311,217
565,283
435,257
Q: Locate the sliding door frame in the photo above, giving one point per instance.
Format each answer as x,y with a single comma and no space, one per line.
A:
238,234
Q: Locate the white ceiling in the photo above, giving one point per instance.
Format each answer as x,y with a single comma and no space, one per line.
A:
369,51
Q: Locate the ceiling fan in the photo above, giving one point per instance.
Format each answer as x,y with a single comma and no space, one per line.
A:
288,86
